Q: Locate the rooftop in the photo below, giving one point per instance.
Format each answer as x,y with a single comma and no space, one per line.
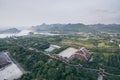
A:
82,53
68,52
4,59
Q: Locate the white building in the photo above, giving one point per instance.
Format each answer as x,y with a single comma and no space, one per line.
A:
52,47
10,72
119,45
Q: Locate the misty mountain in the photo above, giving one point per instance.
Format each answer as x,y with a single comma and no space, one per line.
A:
63,28
69,28
114,28
73,28
11,30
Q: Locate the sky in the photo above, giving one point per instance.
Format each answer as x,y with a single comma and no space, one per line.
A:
35,12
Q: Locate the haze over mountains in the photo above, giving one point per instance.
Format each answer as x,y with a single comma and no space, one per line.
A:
67,28
11,30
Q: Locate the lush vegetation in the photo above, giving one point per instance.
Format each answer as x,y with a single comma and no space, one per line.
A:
41,67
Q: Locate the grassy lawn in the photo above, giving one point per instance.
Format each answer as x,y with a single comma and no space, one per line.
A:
101,45
79,43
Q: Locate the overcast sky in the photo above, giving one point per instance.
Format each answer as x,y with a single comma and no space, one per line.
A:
35,12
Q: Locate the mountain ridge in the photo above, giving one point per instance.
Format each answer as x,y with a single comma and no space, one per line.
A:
10,30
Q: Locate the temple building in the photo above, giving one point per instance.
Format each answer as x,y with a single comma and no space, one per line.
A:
82,54
71,53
